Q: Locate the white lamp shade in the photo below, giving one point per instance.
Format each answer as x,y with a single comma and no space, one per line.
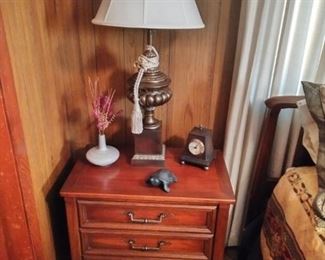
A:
149,14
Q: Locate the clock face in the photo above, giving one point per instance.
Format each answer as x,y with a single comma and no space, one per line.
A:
196,147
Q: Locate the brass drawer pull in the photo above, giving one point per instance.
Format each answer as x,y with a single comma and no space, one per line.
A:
145,220
146,248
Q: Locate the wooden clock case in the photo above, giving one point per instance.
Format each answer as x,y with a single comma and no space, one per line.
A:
205,136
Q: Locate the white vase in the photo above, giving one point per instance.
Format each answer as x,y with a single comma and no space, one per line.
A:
102,155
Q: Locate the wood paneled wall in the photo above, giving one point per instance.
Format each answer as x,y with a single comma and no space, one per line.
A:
48,64
54,49
199,63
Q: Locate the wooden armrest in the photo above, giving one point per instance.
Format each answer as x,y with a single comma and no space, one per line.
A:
257,190
282,102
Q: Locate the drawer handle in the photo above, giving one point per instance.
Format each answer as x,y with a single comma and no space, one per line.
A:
146,248
145,220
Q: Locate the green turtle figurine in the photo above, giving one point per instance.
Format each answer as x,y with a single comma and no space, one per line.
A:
162,178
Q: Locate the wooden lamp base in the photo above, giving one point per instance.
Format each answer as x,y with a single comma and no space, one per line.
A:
148,148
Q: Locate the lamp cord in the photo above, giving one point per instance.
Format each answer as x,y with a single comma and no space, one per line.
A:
143,63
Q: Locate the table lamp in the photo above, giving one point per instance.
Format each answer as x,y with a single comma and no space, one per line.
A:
148,88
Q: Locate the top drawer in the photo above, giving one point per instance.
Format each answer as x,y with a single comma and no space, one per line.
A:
143,216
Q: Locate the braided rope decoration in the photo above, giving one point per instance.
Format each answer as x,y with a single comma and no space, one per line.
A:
143,63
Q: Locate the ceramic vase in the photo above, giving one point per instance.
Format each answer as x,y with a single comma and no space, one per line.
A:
102,155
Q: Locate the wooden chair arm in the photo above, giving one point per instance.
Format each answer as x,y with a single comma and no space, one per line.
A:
259,193
282,102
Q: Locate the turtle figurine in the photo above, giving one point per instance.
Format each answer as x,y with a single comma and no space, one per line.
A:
162,178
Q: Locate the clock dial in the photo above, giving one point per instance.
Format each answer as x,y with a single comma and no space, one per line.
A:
196,147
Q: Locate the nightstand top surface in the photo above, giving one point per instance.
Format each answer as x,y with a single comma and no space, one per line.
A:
122,181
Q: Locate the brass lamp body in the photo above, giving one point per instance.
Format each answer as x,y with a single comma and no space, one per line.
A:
153,92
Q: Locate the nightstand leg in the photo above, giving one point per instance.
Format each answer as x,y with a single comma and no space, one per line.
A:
72,217
221,231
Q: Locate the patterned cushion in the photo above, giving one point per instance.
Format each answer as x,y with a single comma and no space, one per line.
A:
290,229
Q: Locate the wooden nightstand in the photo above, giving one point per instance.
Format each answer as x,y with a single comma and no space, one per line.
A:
113,214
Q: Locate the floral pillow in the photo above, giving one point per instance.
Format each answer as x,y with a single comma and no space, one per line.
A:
315,99
310,134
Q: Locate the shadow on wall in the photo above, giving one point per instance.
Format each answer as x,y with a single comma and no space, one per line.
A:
57,214
175,141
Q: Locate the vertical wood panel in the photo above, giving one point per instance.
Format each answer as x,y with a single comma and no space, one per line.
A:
109,56
51,45
74,60
13,221
223,68
191,66
9,98
110,71
3,248
161,43
133,46
35,91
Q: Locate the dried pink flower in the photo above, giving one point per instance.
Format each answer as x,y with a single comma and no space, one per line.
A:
102,106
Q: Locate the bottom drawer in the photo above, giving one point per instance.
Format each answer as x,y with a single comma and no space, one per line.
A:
145,244
98,257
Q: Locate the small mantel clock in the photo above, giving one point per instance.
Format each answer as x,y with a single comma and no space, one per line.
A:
199,147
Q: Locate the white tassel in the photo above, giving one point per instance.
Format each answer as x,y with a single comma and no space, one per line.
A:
143,63
137,124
